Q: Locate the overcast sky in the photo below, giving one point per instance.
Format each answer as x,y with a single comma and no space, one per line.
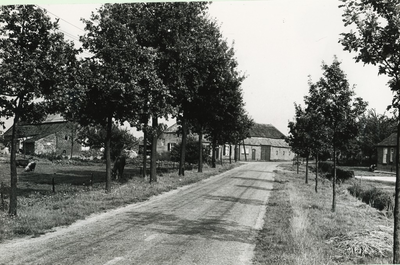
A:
278,44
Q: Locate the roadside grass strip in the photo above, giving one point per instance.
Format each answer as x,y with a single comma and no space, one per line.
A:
299,227
42,211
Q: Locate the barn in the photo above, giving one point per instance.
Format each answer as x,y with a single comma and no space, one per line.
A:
52,136
266,143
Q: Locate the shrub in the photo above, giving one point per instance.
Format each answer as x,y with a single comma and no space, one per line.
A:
373,196
341,175
325,166
192,152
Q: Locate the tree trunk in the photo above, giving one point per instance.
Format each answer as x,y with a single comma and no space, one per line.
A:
396,231
316,173
200,165
222,152
307,169
244,148
108,154
230,153
213,162
183,149
236,153
13,166
72,140
334,181
144,161
153,159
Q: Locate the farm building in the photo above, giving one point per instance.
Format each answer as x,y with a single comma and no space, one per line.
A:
266,143
52,136
386,153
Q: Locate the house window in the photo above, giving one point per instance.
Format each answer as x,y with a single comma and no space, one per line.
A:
283,152
66,137
226,150
391,155
170,146
384,156
277,152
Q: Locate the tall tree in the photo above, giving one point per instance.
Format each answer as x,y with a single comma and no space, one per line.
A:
113,76
170,29
299,138
340,111
318,134
375,40
35,62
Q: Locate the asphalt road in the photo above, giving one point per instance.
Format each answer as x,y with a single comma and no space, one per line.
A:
210,222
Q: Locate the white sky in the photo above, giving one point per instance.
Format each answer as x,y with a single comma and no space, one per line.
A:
278,44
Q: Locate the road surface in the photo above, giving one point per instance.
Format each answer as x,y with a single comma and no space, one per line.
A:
211,222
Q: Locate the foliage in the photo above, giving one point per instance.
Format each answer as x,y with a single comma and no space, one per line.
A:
374,128
332,97
192,151
31,47
375,38
94,137
341,175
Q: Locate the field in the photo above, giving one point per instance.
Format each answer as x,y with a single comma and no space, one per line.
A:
40,209
300,228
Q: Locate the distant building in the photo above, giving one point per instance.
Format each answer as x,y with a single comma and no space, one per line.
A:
266,143
52,136
386,153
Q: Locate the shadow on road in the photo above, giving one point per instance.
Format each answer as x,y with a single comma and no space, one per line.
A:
254,187
234,199
263,180
208,228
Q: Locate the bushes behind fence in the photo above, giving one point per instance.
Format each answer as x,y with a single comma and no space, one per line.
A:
341,174
377,198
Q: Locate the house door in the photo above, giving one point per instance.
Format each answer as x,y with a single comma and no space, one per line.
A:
265,153
253,154
29,148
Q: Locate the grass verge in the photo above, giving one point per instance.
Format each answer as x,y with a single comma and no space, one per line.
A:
40,211
300,228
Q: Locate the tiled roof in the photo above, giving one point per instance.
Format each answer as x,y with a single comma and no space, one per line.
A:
36,130
389,141
265,131
266,141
